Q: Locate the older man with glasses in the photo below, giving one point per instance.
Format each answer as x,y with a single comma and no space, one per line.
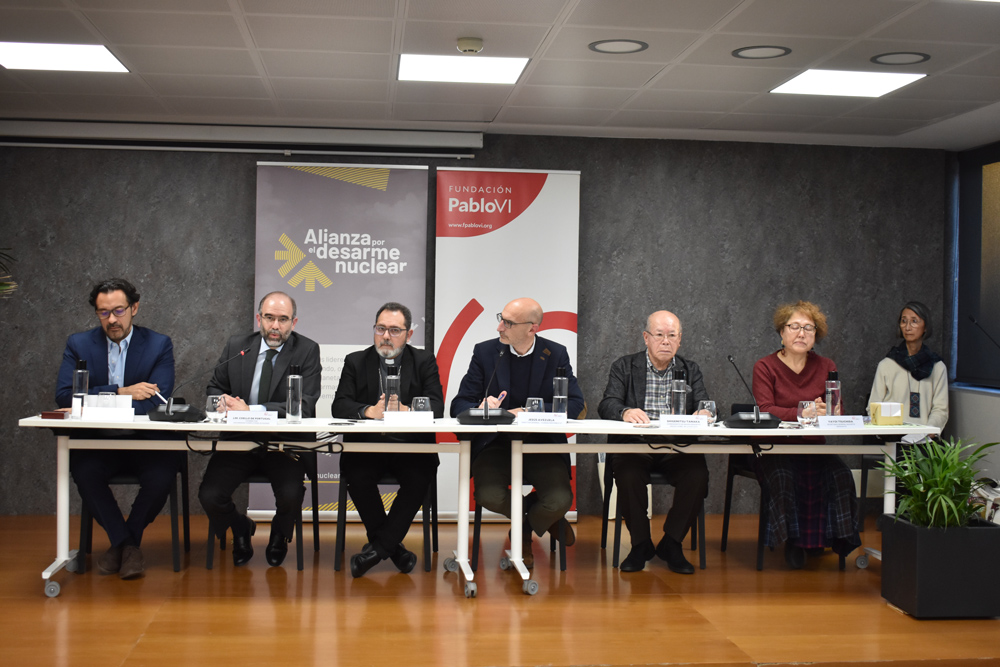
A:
504,373
252,375
361,394
637,392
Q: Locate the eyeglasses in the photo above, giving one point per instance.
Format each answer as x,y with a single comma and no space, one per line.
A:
507,324
658,337
795,326
395,332
271,319
915,322
105,314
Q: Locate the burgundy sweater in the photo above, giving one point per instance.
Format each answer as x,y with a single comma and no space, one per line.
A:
778,389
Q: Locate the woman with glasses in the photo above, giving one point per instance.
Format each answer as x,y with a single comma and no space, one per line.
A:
812,501
911,373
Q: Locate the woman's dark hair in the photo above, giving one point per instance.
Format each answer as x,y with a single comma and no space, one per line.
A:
922,311
114,285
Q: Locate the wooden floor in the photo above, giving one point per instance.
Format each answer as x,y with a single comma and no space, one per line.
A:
729,614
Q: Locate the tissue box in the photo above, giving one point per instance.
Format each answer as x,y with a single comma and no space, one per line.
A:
886,414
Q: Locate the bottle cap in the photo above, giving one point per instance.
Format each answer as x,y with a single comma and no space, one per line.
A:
81,364
561,372
833,375
295,369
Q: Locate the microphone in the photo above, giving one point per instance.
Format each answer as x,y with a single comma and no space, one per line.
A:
979,326
755,419
486,414
182,412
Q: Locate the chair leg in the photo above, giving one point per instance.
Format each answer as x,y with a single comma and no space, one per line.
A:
86,538
175,541
425,519
618,532
299,556
338,557
701,536
863,497
762,528
210,551
730,474
562,546
476,529
606,507
313,471
186,504
434,513
694,531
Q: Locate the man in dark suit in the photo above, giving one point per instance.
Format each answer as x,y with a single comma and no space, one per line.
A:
257,380
361,395
525,365
637,391
127,360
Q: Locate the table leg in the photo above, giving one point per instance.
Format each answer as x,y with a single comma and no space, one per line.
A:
63,555
517,507
464,473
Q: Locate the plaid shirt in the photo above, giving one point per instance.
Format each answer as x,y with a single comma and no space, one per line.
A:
658,388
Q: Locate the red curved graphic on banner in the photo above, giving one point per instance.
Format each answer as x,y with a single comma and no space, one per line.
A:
559,319
473,203
454,336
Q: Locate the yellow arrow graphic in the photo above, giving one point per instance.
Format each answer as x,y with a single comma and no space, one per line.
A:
292,255
310,273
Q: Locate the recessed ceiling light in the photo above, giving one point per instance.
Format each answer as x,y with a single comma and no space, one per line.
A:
989,0
460,69
845,84
618,46
901,57
761,52
61,57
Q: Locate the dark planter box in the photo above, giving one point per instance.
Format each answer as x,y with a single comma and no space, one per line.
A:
941,572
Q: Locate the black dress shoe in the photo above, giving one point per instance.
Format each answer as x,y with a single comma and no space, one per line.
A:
672,551
570,535
638,557
277,549
403,559
242,547
795,556
364,561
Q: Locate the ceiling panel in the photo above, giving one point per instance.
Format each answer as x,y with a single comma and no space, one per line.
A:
330,65
802,105
492,11
750,79
987,65
696,15
220,6
329,89
209,86
44,26
553,116
569,96
20,105
873,126
820,18
944,56
168,29
330,110
962,22
462,113
585,73
207,107
82,83
191,61
952,87
116,107
718,50
905,109
752,122
689,100
572,43
321,34
662,119
410,92
380,9
502,40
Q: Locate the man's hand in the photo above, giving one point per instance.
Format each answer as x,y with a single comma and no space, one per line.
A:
635,416
376,411
233,402
140,391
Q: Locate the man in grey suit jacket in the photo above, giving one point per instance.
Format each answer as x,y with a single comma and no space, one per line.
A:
254,378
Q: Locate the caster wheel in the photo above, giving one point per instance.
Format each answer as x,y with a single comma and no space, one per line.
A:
450,565
470,589
71,565
504,563
530,587
52,589
862,561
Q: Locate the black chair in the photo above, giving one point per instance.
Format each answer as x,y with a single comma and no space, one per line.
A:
311,465
553,539
87,520
655,478
429,519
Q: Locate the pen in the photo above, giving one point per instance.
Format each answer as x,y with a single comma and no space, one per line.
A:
503,395
161,396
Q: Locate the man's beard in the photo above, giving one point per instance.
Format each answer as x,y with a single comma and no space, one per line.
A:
389,352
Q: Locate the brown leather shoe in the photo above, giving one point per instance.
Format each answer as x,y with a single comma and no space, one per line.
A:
110,561
133,564
570,535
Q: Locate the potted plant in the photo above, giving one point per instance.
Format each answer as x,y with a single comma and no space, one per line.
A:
937,554
6,286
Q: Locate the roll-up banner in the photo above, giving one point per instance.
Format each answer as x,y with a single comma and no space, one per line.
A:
501,234
341,239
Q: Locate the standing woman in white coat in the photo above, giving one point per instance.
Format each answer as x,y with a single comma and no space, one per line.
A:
912,374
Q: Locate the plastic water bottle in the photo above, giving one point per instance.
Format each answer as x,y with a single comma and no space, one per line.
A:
392,390
293,406
678,393
560,392
81,382
833,405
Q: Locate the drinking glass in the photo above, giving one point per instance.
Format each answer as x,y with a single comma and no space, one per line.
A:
212,404
106,399
534,405
709,407
807,413
421,404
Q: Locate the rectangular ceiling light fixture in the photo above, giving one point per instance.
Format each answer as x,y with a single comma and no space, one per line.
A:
59,57
460,69
846,84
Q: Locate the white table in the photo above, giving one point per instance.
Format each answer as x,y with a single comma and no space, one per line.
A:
202,429
694,446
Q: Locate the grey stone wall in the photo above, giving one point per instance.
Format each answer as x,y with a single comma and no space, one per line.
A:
719,233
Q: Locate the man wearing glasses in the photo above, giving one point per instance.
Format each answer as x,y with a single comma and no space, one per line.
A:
361,394
252,375
507,372
127,360
637,392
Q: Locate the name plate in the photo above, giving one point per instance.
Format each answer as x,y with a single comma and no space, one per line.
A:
683,421
96,414
252,417
843,421
540,418
410,418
